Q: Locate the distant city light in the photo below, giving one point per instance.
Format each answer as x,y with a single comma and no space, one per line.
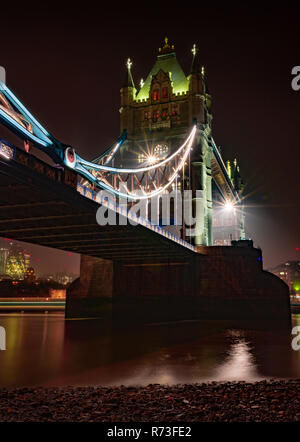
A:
296,286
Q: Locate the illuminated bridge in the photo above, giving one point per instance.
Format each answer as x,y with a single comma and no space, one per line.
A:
55,205
59,217
46,205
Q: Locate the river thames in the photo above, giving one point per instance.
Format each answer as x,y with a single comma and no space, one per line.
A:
45,350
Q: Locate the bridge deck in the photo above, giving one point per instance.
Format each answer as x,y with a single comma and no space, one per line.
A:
40,204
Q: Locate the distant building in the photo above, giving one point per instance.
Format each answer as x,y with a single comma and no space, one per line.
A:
60,277
47,277
3,259
65,278
57,293
289,272
27,257
30,275
15,264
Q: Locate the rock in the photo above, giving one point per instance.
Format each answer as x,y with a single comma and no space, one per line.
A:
212,402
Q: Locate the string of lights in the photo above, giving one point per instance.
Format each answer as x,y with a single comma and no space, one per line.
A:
89,168
92,166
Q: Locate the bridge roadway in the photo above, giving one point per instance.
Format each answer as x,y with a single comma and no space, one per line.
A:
40,204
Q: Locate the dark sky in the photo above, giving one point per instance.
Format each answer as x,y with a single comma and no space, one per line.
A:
67,65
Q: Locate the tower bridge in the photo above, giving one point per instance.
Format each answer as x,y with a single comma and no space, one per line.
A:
165,144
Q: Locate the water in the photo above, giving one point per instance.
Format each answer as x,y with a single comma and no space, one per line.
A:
43,349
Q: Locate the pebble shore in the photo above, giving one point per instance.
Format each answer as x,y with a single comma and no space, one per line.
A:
266,401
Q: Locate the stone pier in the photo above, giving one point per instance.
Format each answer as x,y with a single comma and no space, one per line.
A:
217,282
91,294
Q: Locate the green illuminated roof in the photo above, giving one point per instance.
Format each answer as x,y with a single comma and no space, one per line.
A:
167,63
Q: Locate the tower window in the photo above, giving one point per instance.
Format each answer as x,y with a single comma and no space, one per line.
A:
161,150
174,110
164,114
165,92
156,95
155,115
141,158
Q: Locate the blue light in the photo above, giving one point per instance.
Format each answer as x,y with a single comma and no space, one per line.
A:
17,103
20,128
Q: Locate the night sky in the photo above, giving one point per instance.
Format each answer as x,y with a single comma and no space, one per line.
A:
67,65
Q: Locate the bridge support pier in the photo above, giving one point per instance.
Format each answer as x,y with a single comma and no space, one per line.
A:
215,283
91,294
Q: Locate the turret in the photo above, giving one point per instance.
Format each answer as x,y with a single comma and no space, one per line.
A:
233,171
197,96
196,85
228,167
128,90
128,93
236,177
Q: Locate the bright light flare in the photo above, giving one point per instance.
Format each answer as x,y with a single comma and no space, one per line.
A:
151,159
228,206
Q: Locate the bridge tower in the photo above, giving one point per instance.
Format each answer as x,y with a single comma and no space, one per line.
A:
158,115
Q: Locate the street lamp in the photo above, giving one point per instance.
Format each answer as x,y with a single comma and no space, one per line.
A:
228,206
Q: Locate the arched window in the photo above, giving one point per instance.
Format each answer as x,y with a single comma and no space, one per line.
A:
156,95
165,92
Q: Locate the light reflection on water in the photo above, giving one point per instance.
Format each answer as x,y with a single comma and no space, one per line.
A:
239,365
45,350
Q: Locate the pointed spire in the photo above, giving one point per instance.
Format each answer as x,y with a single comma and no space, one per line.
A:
194,50
128,80
167,48
195,63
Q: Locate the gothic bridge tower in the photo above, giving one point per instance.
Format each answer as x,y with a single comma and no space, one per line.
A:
158,116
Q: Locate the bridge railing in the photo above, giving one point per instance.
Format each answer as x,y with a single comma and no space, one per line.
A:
96,196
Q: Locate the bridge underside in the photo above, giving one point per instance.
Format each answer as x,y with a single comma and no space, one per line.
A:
131,271
36,209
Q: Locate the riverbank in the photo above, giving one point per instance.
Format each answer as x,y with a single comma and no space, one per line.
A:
32,304
272,401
